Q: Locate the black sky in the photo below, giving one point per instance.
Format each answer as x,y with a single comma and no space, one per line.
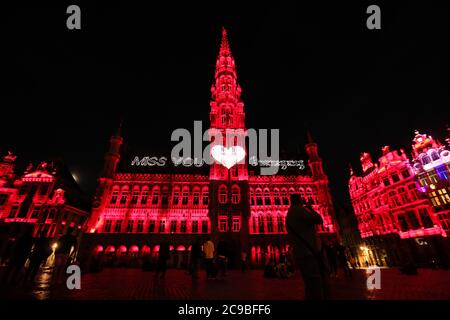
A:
298,63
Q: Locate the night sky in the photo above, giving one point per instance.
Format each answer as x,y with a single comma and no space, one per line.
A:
300,65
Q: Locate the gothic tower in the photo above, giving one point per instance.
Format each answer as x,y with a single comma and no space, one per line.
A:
229,206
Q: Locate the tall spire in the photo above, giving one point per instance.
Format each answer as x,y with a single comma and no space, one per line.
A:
224,46
309,136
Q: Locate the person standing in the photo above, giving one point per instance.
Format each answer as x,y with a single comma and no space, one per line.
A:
40,253
243,261
222,257
196,254
342,258
301,224
163,256
331,254
64,254
208,251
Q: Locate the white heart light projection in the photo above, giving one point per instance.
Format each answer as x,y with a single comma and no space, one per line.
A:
228,157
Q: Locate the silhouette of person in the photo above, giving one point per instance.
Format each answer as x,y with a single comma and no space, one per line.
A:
19,256
163,256
64,252
196,255
39,254
301,221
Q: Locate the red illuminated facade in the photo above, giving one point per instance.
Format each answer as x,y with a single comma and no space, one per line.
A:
44,198
390,205
134,212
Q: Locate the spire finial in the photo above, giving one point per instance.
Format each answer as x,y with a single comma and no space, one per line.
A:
309,136
224,46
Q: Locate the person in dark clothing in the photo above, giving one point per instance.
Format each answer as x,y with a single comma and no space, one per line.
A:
19,256
222,257
64,254
40,253
331,254
342,259
196,255
163,256
301,221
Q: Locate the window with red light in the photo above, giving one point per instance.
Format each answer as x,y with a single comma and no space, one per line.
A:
405,174
185,196
114,197
140,226
134,197
236,224
51,214
254,225
118,226
183,226
222,194
276,197
269,224
280,223
107,227
260,224
425,217
151,226
155,196
267,200
173,226
13,212
205,197
144,197
124,197
252,197
223,223
130,226
285,197
412,217
196,197
205,226
235,194
176,197
195,226
165,197
259,201
162,226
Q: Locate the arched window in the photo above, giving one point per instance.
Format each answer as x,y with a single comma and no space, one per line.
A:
302,193
434,155
259,200
425,160
252,197
269,223
284,196
165,196
267,200
144,196
155,196
196,196
280,223
124,195
260,223
176,196
205,196
185,196
223,194
235,194
135,195
276,197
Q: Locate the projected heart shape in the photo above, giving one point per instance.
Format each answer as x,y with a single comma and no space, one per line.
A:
228,157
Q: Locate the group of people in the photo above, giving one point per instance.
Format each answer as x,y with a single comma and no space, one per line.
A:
24,254
215,259
336,256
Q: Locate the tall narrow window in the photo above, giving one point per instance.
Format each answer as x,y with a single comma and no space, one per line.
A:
114,197
155,197
267,200
140,226
205,197
223,223
276,197
195,226
134,197
162,226
35,212
175,197
173,226
236,224
144,197
196,198
118,226
151,226
280,224
260,224
107,227
235,195
183,226
205,227
269,224
185,197
259,200
130,226
222,194
124,197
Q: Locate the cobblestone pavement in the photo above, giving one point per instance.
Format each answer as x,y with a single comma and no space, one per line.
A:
125,284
